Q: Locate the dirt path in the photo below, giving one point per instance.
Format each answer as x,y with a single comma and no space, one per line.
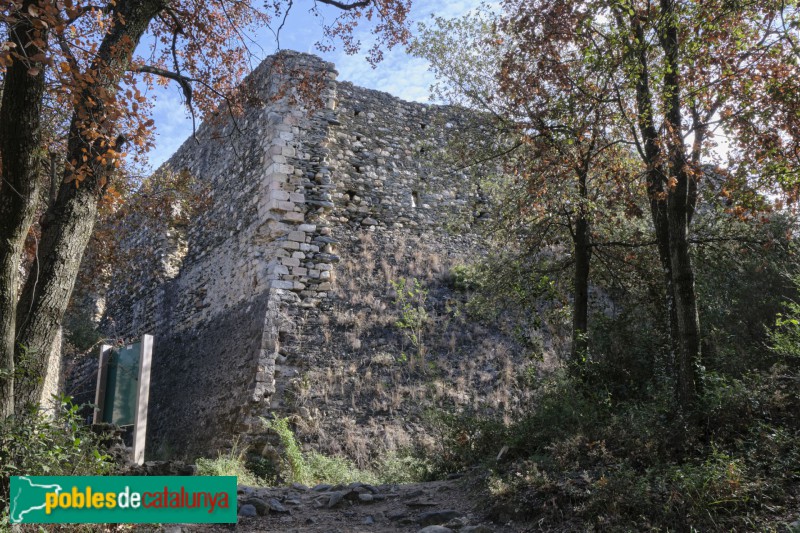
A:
433,507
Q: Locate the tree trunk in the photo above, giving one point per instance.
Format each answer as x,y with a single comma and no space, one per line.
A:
658,211
69,224
672,203
582,252
688,323
680,205
20,145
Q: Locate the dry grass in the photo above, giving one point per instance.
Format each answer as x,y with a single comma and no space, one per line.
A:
361,369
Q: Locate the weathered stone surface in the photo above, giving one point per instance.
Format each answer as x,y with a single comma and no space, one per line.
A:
261,506
247,510
435,529
276,507
336,498
246,281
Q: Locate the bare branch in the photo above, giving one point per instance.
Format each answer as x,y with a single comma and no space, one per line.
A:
184,81
344,6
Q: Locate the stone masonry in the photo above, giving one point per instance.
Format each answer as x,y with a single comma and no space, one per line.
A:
289,188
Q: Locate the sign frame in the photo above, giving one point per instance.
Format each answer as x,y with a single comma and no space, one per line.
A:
142,393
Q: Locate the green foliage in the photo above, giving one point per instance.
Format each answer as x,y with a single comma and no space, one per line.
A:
784,338
231,463
411,300
40,444
634,465
404,468
627,355
335,470
312,468
294,468
742,284
466,277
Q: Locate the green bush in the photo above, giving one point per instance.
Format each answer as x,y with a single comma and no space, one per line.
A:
403,468
466,277
38,443
231,463
411,300
637,465
312,468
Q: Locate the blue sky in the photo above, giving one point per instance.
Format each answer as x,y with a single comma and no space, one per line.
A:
399,74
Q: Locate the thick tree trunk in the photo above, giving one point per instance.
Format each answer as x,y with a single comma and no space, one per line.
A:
688,323
680,206
68,225
48,289
20,145
582,252
658,211
672,201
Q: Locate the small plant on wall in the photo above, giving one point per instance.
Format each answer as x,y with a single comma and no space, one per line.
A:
411,299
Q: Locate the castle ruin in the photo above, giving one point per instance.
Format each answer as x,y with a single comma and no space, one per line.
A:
241,307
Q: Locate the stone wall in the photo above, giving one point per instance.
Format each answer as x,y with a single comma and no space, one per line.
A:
239,301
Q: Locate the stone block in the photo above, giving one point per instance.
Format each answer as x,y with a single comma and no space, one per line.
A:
293,216
279,269
279,195
277,205
297,236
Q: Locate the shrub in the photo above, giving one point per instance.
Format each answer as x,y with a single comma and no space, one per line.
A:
465,277
294,467
312,468
411,299
231,463
39,443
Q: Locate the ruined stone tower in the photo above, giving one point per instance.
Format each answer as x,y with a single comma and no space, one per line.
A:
240,313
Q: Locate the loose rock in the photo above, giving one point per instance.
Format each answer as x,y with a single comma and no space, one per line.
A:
437,517
276,506
261,506
247,510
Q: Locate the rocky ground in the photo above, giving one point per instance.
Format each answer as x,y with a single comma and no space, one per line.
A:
452,505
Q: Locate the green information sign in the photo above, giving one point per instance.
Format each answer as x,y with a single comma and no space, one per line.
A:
122,380
123,389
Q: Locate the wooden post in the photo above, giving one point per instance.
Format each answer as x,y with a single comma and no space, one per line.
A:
100,391
142,399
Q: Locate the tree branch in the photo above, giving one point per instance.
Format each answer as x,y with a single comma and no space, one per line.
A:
624,244
344,6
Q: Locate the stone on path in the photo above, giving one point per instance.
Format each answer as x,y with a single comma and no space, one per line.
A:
261,506
247,510
437,517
